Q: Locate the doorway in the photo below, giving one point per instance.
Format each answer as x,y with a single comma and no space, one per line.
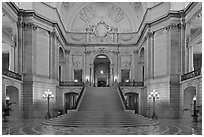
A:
101,71
12,98
189,93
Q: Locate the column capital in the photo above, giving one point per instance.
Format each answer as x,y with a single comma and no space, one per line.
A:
135,51
87,52
150,34
173,26
30,25
115,52
67,51
52,33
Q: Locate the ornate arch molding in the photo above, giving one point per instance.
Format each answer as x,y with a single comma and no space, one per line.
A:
191,83
7,82
104,53
87,13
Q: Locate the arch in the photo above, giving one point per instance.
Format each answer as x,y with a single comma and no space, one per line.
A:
70,100
14,97
142,52
187,103
61,55
102,70
61,63
71,18
97,54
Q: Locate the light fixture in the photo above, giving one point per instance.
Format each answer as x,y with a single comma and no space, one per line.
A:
48,95
194,98
101,71
7,98
87,78
127,80
75,80
101,57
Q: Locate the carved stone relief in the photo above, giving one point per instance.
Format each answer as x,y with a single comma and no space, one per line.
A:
77,62
125,62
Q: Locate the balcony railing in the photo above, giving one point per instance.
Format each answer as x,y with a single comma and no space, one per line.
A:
11,74
70,83
132,84
191,74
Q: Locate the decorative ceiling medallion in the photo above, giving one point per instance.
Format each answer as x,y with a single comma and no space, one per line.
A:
102,29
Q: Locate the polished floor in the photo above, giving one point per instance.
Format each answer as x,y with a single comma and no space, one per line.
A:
101,113
165,127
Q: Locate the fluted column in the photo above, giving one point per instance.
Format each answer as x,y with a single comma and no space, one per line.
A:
20,27
111,74
67,64
91,74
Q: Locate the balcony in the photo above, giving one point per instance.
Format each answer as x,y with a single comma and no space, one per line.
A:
11,74
70,83
191,74
132,84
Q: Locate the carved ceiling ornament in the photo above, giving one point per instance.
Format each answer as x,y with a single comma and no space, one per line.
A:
101,30
125,62
101,15
77,62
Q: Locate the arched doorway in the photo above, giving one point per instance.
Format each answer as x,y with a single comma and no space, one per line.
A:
189,93
132,100
12,96
70,100
101,71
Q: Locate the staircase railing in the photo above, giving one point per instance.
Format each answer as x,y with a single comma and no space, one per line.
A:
191,74
122,97
79,98
11,74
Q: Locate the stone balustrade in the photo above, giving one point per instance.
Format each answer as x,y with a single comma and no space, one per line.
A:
191,74
11,74
132,84
71,83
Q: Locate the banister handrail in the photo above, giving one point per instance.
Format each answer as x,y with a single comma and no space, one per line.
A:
80,97
11,74
70,83
132,84
191,74
122,97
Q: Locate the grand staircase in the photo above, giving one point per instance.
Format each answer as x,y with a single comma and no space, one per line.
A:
100,107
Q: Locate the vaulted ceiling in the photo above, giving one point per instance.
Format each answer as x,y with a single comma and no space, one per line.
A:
126,17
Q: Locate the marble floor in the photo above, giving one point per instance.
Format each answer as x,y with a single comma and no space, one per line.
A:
165,127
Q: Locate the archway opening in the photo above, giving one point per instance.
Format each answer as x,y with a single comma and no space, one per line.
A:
101,71
189,93
70,101
12,98
132,100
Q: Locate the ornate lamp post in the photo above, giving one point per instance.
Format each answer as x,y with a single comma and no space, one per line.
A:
48,95
154,95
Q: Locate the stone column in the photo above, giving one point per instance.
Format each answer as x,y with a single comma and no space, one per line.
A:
183,48
91,74
52,54
134,64
67,64
190,52
20,27
148,55
187,37
111,74
151,55
29,67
